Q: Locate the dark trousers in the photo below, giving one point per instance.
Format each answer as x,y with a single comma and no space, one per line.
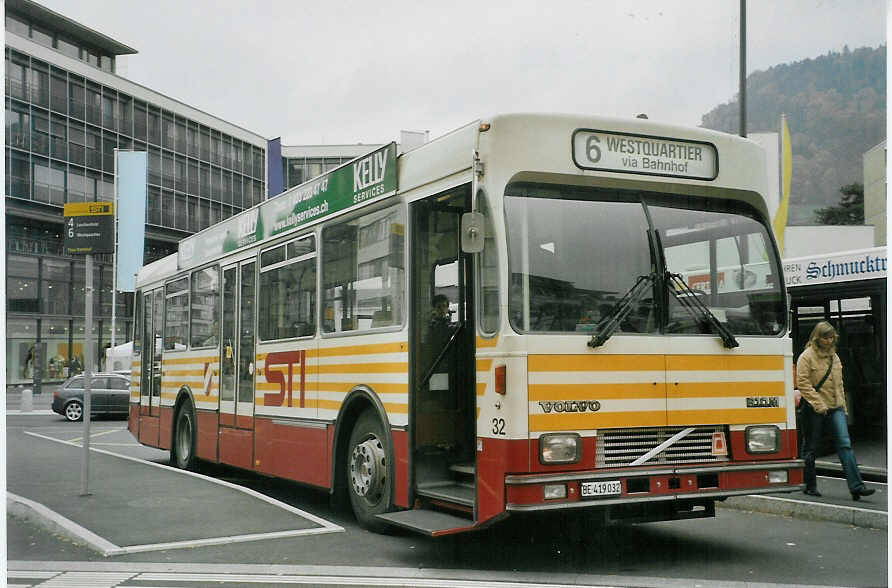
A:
813,426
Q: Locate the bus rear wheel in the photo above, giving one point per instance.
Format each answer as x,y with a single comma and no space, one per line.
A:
182,450
369,476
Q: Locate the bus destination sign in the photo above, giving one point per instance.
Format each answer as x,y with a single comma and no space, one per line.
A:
89,228
366,178
639,154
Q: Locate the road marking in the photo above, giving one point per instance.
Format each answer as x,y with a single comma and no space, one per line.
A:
321,575
99,434
109,549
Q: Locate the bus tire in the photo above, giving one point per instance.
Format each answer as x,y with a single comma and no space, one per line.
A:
369,475
182,450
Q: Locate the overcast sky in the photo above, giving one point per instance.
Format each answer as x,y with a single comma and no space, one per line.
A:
330,71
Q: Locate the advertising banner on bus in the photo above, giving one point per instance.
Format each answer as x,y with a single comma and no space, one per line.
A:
366,178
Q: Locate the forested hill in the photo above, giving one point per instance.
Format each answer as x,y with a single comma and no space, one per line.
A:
836,110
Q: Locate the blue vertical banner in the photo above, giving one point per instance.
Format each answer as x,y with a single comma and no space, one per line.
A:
131,207
275,183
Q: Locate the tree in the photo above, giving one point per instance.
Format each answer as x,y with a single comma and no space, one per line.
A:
849,211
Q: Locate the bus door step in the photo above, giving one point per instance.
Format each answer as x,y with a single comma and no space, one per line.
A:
432,523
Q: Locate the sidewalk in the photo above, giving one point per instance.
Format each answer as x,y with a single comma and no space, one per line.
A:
138,506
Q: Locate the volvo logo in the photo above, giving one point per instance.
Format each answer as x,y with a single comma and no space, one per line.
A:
571,406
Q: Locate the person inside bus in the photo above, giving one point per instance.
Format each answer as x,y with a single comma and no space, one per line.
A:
439,330
819,375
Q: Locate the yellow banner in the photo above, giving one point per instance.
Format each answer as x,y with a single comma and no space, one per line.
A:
780,219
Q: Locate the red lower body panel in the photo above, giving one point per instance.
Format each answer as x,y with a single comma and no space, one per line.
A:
292,451
206,435
401,469
165,427
148,430
236,447
133,420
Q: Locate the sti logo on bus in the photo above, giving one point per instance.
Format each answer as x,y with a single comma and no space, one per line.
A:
279,364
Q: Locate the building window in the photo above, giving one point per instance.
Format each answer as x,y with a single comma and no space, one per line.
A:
18,177
68,48
42,37
76,100
59,92
55,286
21,284
19,27
40,133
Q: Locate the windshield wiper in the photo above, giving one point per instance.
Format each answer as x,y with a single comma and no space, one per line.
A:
695,306
608,325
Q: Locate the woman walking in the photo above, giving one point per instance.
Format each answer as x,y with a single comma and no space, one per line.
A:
819,375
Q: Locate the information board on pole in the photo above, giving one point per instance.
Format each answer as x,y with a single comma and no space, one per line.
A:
89,228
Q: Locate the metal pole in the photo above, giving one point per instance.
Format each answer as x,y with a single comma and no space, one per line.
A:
115,258
742,68
88,374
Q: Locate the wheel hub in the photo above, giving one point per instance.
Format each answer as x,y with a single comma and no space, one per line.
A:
368,469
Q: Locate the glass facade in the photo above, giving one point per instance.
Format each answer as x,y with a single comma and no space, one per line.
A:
297,170
62,130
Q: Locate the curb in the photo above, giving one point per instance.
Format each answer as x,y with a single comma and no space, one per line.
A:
813,511
55,523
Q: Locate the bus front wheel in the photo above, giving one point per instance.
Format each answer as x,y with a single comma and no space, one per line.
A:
182,450
369,480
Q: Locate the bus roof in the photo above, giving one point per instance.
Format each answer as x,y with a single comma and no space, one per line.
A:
555,150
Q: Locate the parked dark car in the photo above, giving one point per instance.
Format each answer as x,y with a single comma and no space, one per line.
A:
109,394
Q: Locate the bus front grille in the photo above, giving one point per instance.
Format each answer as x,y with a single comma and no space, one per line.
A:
621,447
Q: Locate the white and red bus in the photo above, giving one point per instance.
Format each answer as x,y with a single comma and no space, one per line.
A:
531,313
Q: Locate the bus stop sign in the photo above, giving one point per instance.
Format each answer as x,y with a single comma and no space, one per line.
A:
89,228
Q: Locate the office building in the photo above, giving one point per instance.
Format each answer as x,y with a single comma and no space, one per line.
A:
67,111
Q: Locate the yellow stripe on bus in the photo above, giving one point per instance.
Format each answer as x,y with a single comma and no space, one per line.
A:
722,389
594,420
193,359
730,416
371,349
596,391
481,388
483,365
492,342
379,388
365,368
588,420
180,373
724,362
581,363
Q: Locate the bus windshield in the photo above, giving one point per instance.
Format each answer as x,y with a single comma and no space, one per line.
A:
575,252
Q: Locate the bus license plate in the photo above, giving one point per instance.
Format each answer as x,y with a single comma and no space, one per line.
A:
611,488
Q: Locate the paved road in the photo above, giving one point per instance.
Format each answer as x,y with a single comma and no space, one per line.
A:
734,548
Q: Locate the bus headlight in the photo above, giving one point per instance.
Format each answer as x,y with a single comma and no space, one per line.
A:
560,448
762,439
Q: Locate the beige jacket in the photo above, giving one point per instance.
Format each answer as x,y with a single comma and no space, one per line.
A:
810,368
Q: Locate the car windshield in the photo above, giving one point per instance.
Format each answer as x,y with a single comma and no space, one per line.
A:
575,252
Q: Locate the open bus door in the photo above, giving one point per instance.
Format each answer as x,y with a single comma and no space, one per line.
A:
238,366
443,400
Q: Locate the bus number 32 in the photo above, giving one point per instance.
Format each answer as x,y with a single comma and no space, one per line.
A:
275,370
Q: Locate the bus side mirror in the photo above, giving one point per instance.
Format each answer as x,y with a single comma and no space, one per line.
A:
472,232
